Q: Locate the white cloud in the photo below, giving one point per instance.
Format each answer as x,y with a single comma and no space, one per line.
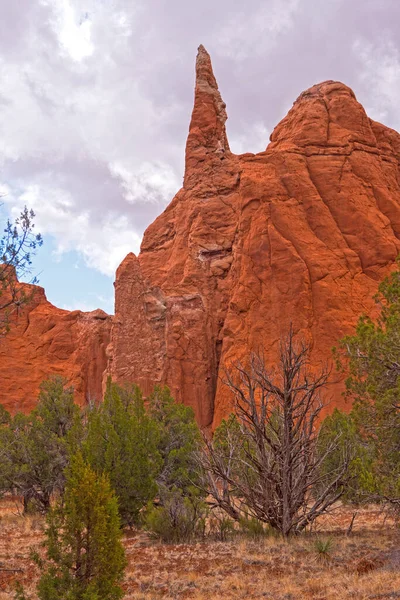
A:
150,181
380,71
96,95
255,139
253,32
103,243
73,29
66,145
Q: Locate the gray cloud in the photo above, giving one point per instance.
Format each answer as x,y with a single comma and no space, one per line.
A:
96,96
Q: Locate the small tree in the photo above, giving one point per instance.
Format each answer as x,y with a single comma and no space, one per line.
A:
372,357
267,463
122,442
17,246
85,557
179,513
35,448
178,439
177,518
341,429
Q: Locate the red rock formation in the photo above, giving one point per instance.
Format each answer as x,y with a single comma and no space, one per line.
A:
45,340
301,233
173,301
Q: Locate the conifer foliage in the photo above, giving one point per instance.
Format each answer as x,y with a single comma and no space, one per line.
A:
121,441
85,558
372,357
35,448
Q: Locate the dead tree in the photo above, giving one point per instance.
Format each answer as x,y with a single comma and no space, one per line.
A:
265,461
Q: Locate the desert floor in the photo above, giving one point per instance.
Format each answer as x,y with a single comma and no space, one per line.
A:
362,565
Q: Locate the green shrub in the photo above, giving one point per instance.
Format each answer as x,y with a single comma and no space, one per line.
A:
122,442
323,547
178,440
35,448
371,359
221,527
254,528
179,519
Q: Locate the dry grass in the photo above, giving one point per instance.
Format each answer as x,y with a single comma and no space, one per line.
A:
365,565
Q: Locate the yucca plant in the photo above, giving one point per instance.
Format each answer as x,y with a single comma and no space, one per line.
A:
323,547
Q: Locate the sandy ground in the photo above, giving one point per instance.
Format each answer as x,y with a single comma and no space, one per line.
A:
364,565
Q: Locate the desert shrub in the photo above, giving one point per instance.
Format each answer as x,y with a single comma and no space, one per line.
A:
323,547
263,461
179,514
371,357
340,432
254,528
178,440
179,519
221,527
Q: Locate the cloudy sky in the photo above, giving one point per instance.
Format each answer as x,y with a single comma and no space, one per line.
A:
96,96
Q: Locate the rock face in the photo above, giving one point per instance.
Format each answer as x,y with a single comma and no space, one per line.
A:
45,340
302,233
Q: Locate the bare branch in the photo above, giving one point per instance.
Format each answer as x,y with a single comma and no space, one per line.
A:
268,462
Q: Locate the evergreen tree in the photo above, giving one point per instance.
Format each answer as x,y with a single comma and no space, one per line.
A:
35,448
340,431
178,440
122,442
85,558
373,359
179,513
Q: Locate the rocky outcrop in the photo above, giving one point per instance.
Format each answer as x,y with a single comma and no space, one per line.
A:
300,233
44,340
174,298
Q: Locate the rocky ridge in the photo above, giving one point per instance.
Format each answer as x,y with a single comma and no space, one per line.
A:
302,232
44,340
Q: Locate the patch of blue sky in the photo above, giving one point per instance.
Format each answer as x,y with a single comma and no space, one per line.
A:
69,283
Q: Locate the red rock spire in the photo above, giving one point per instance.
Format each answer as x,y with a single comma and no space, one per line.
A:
207,139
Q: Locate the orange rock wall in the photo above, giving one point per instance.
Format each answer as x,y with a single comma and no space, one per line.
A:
45,340
301,233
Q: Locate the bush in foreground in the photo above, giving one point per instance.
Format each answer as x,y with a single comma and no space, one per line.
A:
85,558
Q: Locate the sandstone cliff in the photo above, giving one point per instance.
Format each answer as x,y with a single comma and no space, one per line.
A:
301,233
45,340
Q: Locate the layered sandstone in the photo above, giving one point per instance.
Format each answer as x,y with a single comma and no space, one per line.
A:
44,340
300,233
